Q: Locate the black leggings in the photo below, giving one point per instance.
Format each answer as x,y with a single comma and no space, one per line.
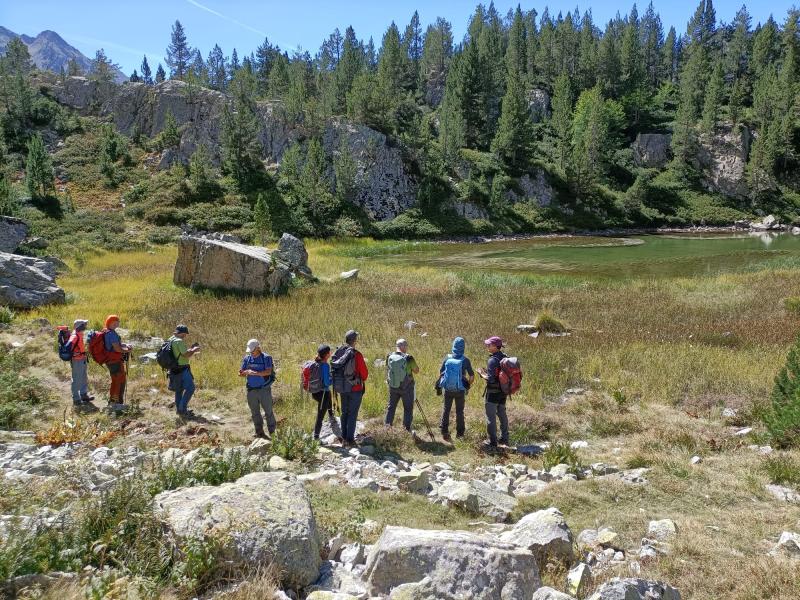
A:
323,405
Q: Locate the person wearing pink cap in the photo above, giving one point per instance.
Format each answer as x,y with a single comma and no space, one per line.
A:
493,394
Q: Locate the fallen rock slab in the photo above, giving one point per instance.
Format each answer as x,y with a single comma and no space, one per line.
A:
261,519
635,589
545,533
27,282
450,565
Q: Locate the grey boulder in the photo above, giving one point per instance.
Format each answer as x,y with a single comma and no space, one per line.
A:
545,533
635,589
26,282
292,251
12,233
479,498
261,519
449,565
548,593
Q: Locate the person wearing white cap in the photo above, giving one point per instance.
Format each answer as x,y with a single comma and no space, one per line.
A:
258,368
79,364
400,370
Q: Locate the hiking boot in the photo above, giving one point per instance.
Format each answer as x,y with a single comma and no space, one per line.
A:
446,437
86,399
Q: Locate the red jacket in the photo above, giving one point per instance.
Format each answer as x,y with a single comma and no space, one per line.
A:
78,347
360,371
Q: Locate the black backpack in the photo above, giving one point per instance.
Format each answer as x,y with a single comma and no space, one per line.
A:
166,358
65,349
343,370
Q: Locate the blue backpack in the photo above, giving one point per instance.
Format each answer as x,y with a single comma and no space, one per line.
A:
452,378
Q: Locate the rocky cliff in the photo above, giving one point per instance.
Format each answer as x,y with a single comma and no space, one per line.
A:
385,188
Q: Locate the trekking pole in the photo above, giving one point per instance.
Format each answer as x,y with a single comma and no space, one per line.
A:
424,418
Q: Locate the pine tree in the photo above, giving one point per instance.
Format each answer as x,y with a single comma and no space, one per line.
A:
265,57
350,65
73,68
17,58
608,59
669,58
345,170
233,65
170,136
369,102
766,48
134,78
592,138
412,45
262,219
38,169
102,68
161,75
587,53
783,418
652,33
147,75
393,69
561,119
715,90
514,134
179,54
279,78
217,75
437,52
319,203
201,173
241,153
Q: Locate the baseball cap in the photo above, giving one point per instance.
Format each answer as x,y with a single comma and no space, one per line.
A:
253,344
323,349
79,323
350,336
401,342
181,329
494,341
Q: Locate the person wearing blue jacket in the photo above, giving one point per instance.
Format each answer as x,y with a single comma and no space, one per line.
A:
323,397
455,378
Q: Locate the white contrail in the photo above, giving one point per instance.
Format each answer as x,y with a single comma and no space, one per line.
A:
226,17
108,45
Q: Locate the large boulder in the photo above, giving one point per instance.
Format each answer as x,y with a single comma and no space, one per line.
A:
292,251
635,589
261,519
12,233
651,150
450,565
545,533
26,282
722,160
214,264
477,497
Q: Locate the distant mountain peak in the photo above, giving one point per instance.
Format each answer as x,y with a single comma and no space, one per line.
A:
50,51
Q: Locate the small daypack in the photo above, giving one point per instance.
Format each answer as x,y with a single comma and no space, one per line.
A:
97,346
343,370
166,358
65,349
453,376
396,369
311,377
510,375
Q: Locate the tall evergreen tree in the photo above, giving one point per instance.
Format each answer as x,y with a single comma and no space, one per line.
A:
393,69
715,90
17,58
161,75
350,65
147,74
134,78
217,75
592,138
561,119
412,44
652,34
587,53
437,53
279,77
73,68
38,169
669,57
102,67
241,153
265,57
179,54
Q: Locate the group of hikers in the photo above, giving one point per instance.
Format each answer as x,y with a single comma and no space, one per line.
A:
332,374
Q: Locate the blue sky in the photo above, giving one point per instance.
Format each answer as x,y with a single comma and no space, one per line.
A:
127,30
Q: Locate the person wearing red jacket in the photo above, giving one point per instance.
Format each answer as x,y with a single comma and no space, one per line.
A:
351,401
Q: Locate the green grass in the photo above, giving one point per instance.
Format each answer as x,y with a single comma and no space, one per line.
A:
782,469
20,394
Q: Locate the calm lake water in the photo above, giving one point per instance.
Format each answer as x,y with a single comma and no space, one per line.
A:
679,255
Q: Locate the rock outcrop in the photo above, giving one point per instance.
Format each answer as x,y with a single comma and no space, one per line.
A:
261,519
292,251
12,233
722,160
449,565
26,282
635,589
534,187
545,533
538,104
384,187
205,262
652,150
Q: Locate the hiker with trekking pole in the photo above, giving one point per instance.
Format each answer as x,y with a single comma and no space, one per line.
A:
106,348
503,377
316,380
455,379
400,370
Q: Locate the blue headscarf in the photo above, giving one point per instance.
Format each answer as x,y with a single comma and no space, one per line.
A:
458,347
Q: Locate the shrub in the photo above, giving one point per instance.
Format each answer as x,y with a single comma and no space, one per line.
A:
782,418
6,315
294,444
163,235
210,467
562,453
782,469
547,322
72,432
18,393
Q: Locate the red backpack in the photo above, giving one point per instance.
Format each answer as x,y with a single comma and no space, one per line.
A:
510,375
97,346
311,377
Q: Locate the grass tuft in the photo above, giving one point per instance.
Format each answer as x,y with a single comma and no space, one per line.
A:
782,469
547,322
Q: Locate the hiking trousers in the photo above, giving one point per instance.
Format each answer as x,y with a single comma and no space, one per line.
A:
80,380
406,394
184,390
351,402
324,405
118,378
496,410
459,397
259,399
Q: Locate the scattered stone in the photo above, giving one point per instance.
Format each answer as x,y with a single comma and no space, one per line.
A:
545,533
352,554
327,595
784,494
744,431
529,487
729,413
527,329
259,447
261,519
631,476
149,358
579,444
410,325
548,593
578,578
607,538
413,481
477,497
292,251
651,150
788,545
348,275
530,450
696,460
635,589
450,565
663,531
587,538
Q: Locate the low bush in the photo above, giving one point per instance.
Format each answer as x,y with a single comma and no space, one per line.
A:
18,393
562,453
782,418
792,304
163,235
209,467
73,432
6,315
782,469
294,444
